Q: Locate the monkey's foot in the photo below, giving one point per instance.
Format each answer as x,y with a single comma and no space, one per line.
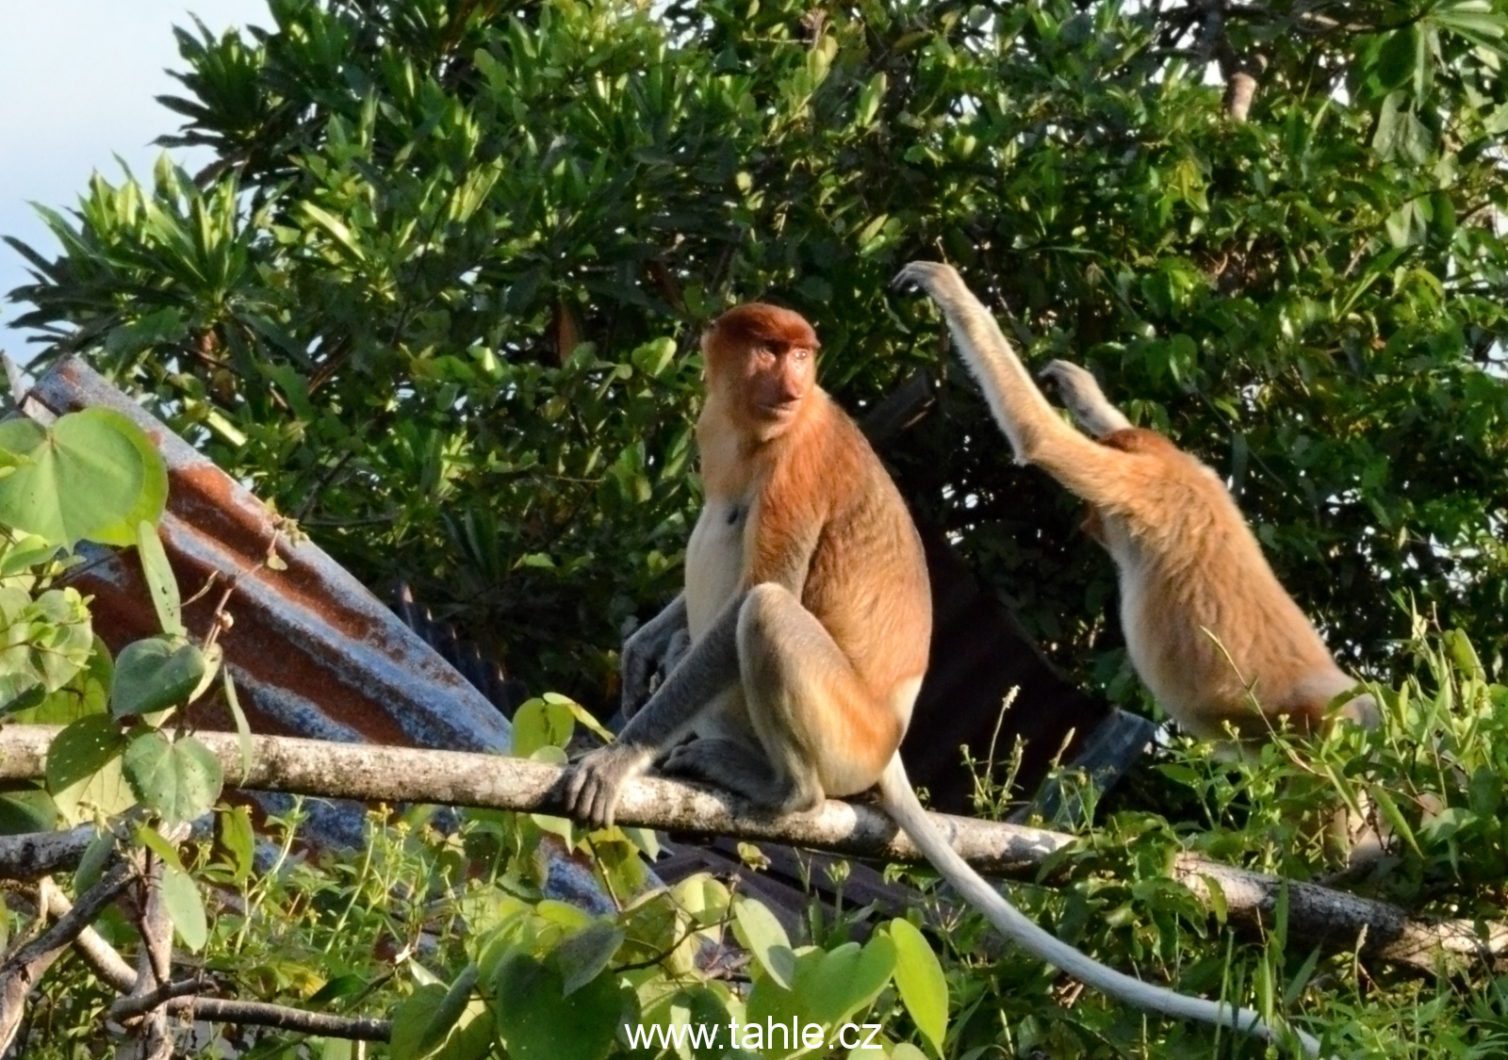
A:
743,770
723,763
592,784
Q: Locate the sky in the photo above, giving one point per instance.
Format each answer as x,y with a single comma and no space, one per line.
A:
78,85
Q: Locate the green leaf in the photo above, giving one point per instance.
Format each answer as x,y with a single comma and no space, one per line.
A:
335,228
154,674
540,723
153,840
82,749
654,357
536,1021
920,980
583,716
45,641
26,811
1400,59
239,840
92,864
26,552
760,933
870,98
104,793
185,908
583,956
1394,816
180,779
93,477
846,979
243,729
161,584
413,1022
1474,20
424,1019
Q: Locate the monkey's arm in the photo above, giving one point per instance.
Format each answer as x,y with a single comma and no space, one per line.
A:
656,646
1036,432
709,667
1085,400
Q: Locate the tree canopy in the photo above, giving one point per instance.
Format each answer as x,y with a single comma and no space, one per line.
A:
437,293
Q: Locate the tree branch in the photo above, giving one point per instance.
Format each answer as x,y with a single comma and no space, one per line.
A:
128,1008
371,773
25,965
154,964
262,1014
114,969
38,854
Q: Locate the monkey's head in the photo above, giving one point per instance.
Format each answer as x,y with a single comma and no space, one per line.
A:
762,362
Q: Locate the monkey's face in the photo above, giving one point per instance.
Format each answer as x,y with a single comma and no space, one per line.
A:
778,377
764,362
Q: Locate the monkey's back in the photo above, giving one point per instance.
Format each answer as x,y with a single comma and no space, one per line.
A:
1203,641
867,581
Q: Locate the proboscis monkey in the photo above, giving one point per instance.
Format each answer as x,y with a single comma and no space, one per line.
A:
809,614
1208,626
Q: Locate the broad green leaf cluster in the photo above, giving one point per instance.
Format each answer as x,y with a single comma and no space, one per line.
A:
93,478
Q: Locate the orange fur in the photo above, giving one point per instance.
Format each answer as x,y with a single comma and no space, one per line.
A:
824,519
809,615
1208,626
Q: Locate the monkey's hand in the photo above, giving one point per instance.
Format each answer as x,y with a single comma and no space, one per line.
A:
1085,400
941,282
654,648
592,784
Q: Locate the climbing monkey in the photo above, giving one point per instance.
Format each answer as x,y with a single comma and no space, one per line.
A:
808,613
1208,626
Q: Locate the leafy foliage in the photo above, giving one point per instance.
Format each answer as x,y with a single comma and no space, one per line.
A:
437,293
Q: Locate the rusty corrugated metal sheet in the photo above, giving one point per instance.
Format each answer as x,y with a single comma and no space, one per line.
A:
313,653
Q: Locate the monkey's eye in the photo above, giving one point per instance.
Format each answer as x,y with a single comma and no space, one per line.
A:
800,353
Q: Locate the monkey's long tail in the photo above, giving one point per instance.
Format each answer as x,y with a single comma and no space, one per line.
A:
900,801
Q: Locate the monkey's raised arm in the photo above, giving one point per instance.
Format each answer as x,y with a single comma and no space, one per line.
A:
1036,432
1085,400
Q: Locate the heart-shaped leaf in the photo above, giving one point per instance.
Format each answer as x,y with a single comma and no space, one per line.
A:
82,749
93,476
536,1021
154,674
180,779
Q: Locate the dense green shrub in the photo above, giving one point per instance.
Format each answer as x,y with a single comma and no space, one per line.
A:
437,294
